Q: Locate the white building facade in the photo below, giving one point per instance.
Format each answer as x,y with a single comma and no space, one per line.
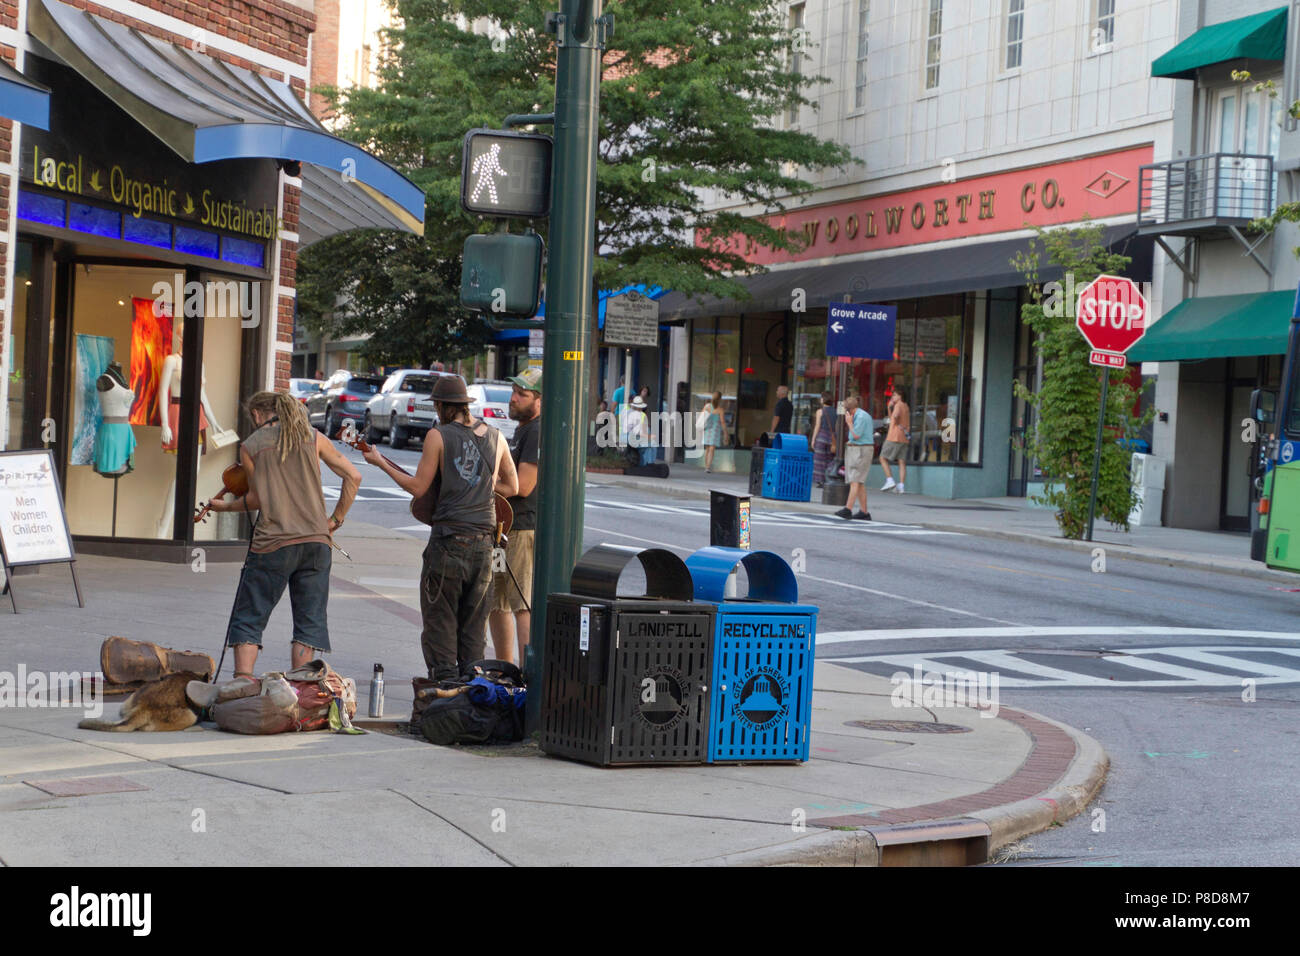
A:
973,121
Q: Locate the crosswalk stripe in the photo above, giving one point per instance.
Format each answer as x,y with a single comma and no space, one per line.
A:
1212,656
925,633
1044,676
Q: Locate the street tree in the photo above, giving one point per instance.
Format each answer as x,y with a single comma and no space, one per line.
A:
1066,405
688,99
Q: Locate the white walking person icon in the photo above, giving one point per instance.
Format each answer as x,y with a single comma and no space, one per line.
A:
485,167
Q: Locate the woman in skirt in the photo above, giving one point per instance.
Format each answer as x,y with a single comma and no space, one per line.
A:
823,428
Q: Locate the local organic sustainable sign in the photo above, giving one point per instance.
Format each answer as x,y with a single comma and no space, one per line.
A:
140,196
33,527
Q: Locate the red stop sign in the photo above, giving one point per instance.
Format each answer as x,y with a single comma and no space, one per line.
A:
1111,313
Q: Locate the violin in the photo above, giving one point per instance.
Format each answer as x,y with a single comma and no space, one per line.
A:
234,481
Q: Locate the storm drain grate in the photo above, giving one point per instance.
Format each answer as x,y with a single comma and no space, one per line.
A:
908,726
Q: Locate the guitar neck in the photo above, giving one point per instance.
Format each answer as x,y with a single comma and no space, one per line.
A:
364,447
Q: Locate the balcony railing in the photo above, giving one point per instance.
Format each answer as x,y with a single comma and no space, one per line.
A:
1202,193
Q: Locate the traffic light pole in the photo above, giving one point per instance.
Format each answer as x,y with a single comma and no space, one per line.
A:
579,33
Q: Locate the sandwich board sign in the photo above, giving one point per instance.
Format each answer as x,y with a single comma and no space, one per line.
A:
33,525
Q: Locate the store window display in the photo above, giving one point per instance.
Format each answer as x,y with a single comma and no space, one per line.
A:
118,318
169,414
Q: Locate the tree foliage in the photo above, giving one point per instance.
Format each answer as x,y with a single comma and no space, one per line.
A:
1064,438
688,92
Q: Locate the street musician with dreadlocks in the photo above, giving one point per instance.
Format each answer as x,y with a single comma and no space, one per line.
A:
292,535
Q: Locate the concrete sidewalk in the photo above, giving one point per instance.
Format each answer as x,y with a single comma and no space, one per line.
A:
1012,519
873,793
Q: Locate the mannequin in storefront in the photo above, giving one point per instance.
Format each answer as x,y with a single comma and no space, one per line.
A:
114,441
169,398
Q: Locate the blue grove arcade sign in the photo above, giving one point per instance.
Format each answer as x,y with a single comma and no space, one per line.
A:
94,152
861,331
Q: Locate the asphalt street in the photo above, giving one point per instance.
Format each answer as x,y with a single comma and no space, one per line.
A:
1189,679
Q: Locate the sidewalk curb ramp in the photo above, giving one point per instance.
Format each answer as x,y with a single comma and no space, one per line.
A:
967,840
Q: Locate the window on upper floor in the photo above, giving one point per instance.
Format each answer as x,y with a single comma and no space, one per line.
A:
934,28
799,42
1246,126
1244,121
1015,33
1103,31
860,79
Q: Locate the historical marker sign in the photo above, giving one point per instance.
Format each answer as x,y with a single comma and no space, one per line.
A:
632,321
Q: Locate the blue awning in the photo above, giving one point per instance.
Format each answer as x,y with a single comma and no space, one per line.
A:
23,100
207,110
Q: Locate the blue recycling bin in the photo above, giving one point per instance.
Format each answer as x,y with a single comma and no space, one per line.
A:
763,649
788,469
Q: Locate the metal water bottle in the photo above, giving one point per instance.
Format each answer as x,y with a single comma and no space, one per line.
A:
377,692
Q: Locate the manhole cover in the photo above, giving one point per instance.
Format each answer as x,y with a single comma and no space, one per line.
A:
908,726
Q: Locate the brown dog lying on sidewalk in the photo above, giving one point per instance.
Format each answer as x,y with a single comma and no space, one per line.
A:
158,705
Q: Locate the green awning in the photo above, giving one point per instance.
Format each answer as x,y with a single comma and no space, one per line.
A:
1261,36
1219,326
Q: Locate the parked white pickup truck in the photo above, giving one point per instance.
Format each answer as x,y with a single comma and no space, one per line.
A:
401,410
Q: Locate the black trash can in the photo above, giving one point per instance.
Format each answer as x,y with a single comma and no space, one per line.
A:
626,680
729,520
756,456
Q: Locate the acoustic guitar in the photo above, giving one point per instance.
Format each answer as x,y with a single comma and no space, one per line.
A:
423,506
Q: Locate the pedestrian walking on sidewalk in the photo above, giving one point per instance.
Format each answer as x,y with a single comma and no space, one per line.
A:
823,443
512,590
474,462
711,429
897,441
291,534
857,459
783,412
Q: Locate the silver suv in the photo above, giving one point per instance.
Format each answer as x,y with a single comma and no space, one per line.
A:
401,409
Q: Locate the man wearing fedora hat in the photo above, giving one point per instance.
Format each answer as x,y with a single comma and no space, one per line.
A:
474,463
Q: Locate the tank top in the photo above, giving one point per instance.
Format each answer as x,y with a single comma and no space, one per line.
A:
824,424
468,478
116,402
293,502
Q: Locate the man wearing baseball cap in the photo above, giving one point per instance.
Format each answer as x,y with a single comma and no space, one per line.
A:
513,596
472,461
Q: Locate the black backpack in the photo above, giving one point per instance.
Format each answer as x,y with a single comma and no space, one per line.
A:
462,719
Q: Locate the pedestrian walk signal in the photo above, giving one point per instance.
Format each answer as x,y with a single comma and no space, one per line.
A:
504,173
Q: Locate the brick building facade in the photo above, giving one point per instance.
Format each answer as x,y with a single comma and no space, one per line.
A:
180,152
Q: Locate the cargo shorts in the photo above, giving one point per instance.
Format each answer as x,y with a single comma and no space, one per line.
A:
305,570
